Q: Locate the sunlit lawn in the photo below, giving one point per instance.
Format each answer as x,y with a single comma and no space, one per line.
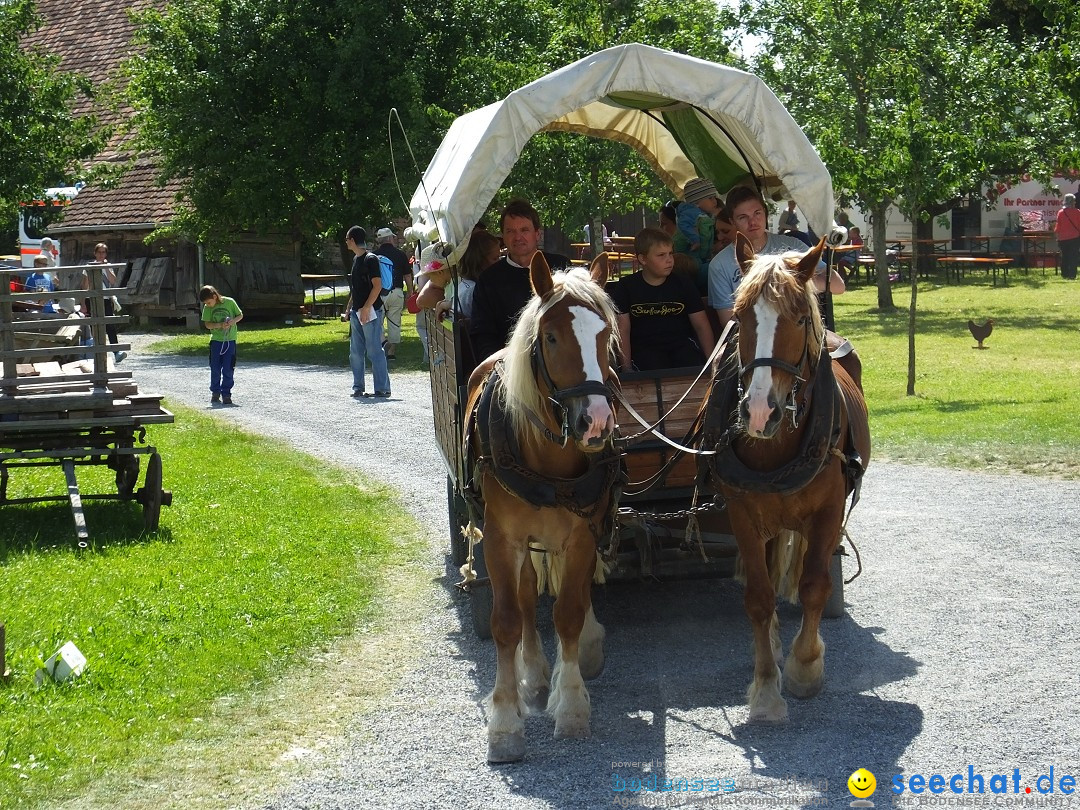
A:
264,553
319,342
1012,405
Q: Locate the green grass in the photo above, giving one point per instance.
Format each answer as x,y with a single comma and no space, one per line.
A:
1011,406
323,342
264,554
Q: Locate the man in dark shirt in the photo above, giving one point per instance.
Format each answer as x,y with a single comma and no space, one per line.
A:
365,316
504,288
394,298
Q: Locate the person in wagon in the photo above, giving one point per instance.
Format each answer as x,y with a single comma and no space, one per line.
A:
483,251
662,322
747,210
504,288
696,227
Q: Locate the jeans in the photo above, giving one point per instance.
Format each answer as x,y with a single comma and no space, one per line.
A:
366,341
222,363
422,333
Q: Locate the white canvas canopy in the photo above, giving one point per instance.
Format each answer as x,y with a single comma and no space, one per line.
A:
685,116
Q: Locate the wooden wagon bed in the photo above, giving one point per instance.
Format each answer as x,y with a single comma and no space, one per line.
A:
64,404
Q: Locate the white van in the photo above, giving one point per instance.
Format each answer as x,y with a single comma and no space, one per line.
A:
36,216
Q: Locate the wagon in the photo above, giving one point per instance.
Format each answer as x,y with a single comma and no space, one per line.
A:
82,413
687,118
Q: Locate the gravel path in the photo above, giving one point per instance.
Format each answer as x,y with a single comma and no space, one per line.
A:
959,647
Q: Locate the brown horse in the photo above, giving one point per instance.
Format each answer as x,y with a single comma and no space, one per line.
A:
792,438
541,425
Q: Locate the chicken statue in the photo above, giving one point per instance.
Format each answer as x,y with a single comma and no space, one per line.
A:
981,333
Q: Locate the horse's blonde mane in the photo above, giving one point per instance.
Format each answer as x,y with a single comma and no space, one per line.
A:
773,278
519,391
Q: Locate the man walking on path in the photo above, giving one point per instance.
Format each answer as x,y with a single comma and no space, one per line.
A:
365,310
394,298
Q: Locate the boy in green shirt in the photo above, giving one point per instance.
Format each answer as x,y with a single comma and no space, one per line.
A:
220,314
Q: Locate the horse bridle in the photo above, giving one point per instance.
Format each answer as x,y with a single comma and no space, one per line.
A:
558,395
795,371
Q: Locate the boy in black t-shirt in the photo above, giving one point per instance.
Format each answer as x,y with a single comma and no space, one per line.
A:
662,322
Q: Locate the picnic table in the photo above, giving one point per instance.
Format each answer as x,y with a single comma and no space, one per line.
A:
956,265
620,251
331,280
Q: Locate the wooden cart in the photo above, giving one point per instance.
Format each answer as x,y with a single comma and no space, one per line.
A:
687,118
75,413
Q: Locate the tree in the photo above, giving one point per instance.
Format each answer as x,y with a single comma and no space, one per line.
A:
569,178
1058,56
41,143
274,114
910,102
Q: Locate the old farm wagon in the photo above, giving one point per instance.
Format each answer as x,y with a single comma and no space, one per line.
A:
687,118
64,404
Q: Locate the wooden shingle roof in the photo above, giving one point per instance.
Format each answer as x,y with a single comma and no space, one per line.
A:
135,200
92,38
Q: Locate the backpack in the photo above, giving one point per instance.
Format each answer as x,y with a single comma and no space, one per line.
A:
386,273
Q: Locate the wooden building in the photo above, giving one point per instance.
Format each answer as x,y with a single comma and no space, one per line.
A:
92,37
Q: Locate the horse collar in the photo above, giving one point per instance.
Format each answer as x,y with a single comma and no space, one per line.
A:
821,435
500,449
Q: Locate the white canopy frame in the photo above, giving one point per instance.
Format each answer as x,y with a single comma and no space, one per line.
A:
660,103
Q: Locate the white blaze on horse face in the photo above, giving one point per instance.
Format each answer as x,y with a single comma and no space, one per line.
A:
757,395
587,325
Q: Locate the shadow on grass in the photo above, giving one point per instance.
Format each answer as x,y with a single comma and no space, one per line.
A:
50,526
311,342
959,406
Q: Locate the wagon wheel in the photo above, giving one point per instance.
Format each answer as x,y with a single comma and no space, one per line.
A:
459,518
480,597
127,475
834,608
151,495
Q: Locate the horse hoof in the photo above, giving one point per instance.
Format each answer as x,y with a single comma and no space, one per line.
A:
769,714
504,748
537,701
802,689
591,665
804,680
572,731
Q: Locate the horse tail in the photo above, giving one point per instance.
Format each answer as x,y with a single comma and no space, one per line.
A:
550,565
786,553
784,557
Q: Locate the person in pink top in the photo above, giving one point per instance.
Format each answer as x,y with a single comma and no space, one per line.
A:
1068,236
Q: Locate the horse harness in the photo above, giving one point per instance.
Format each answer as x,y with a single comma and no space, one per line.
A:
500,455
821,440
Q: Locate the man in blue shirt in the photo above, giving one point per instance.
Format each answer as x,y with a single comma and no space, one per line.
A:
39,281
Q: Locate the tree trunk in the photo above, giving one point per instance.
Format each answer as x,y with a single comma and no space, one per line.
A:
923,231
884,288
916,254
